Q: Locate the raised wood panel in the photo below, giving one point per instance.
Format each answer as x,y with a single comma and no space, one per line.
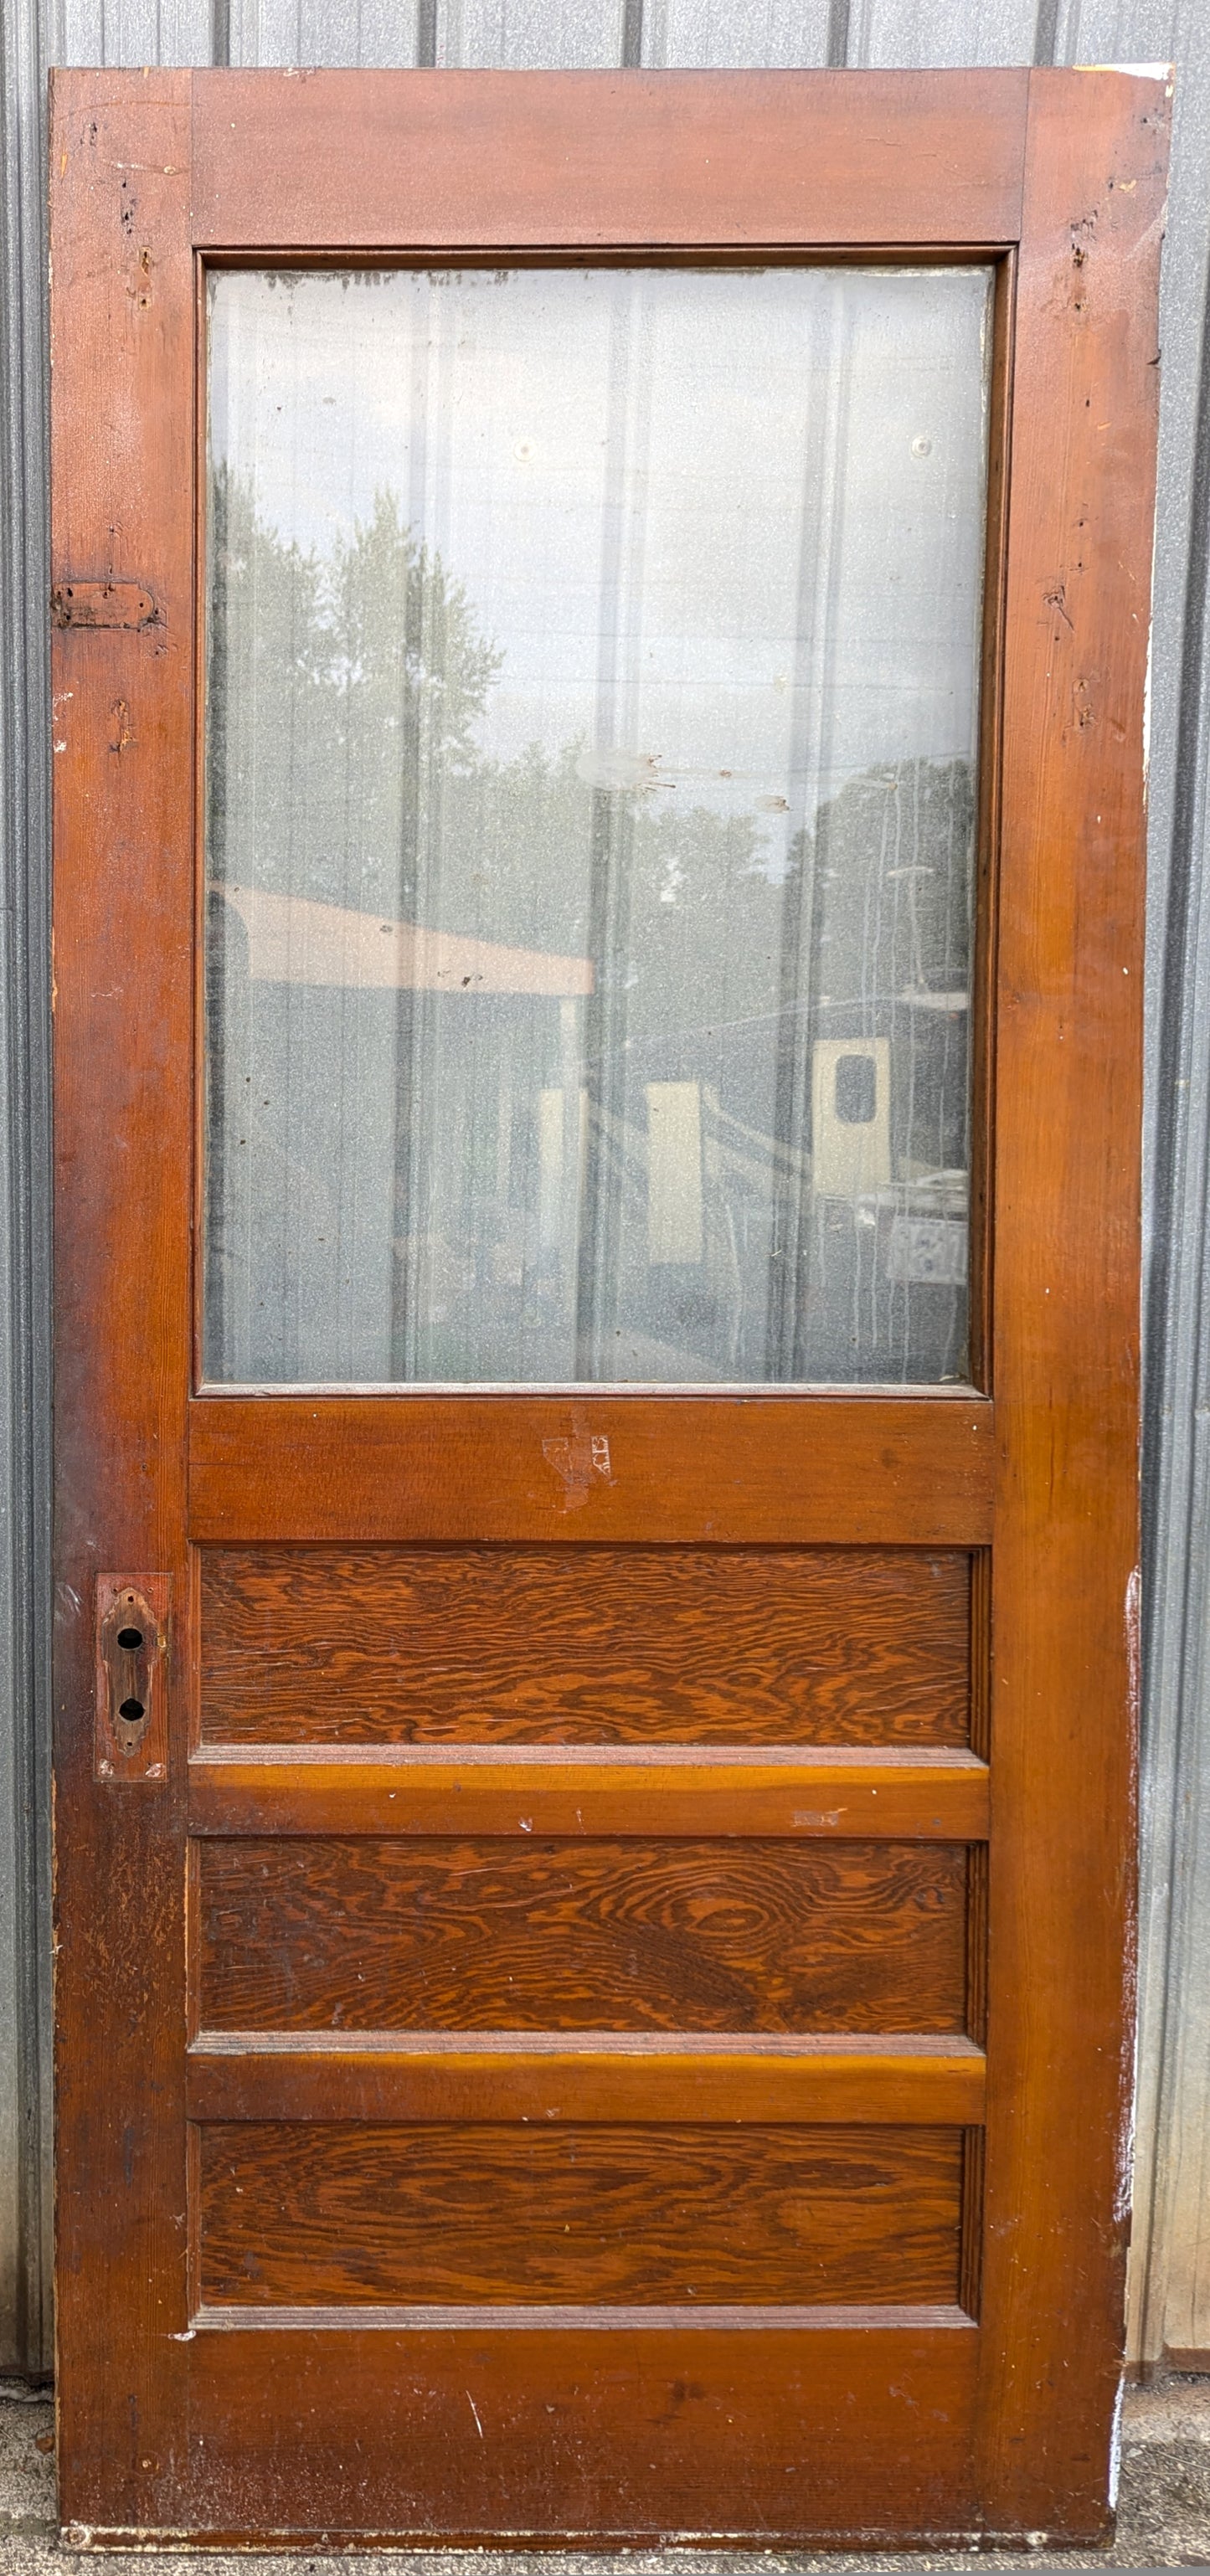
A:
545,2076
727,1469
586,1645
492,1935
930,158
927,1795
624,2215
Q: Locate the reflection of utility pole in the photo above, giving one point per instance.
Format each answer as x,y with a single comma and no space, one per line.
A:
417,1023
825,449
623,532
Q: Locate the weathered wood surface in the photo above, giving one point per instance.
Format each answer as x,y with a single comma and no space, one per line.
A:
731,1470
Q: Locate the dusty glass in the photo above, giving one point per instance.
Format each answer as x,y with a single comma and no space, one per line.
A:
592,725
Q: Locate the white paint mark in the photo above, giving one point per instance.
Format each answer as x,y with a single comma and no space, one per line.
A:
1133,1592
1115,2447
1130,71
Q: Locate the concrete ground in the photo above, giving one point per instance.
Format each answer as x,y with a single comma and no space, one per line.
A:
1163,2517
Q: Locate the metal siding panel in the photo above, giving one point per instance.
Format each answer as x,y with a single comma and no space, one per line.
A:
530,35
25,1605
130,32
370,35
710,35
1111,31
1170,2281
940,35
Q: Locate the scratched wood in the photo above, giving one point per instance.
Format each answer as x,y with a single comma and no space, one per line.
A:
734,1470
604,1936
593,1645
1066,1296
307,1789
317,2215
680,2435
122,460
445,158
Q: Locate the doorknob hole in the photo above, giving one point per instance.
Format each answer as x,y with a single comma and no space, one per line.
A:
131,1708
131,1638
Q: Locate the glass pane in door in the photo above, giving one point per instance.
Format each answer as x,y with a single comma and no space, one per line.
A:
592,719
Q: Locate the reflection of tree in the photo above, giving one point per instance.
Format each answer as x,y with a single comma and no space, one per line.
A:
341,690
345,694
347,768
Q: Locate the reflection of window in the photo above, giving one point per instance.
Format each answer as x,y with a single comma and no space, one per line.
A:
591,735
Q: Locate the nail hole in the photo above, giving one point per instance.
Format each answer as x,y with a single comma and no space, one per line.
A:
131,1708
131,1638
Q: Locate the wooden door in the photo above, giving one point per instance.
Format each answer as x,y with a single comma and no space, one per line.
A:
593,1722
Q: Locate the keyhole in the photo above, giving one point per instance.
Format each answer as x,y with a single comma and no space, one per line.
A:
131,1710
131,1638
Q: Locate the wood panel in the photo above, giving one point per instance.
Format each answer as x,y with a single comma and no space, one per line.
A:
544,2077
622,2215
305,1789
448,158
821,1471
436,2434
489,1935
586,1645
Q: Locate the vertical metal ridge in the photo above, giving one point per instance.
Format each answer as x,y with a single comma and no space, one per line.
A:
24,1207
838,34
1046,34
1174,2049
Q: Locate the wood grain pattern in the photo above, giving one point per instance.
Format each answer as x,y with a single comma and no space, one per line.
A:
622,2215
548,2076
640,2432
929,1795
446,158
551,1935
588,1645
1066,1321
685,1470
122,461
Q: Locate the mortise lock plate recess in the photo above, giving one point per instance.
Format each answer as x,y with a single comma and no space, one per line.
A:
131,1737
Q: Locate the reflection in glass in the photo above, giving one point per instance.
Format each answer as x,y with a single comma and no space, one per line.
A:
593,668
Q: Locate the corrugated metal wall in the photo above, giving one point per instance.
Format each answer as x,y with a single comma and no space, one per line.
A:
1172,2260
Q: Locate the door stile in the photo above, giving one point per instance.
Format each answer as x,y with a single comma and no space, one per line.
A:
123,461
1065,1554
